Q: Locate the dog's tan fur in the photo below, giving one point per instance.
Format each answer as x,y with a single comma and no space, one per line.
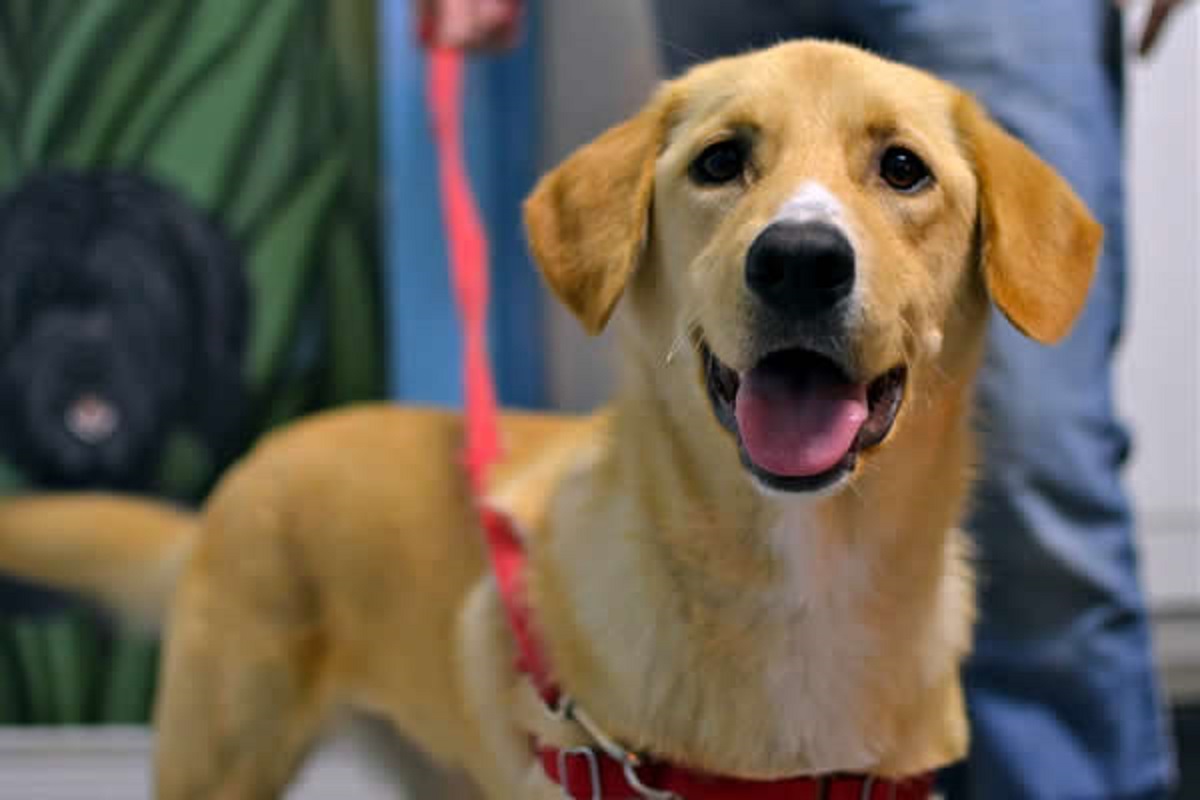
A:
693,615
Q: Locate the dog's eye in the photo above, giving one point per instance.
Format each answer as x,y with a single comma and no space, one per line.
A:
903,169
719,163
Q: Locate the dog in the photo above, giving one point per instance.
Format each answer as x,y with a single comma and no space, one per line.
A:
123,317
747,567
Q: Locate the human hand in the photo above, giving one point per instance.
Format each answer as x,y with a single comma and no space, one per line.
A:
1156,20
484,25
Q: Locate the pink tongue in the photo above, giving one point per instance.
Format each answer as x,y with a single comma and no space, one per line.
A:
798,423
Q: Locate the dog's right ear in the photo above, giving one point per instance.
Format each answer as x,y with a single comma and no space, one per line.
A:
588,219
1040,242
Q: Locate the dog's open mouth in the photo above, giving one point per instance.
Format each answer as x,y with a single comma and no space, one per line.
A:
800,420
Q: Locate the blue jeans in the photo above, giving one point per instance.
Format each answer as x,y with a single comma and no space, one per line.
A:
1061,688
499,131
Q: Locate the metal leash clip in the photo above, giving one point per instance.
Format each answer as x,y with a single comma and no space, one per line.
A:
630,762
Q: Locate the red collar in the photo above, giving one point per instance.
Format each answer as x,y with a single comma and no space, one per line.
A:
605,771
585,775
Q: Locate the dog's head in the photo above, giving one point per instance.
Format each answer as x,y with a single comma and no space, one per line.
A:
821,229
122,315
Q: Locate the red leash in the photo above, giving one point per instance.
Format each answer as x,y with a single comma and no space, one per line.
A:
467,245
584,773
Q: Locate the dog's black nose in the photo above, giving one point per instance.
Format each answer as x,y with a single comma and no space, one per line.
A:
800,268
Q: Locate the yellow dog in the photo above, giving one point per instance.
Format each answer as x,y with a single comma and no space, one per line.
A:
747,566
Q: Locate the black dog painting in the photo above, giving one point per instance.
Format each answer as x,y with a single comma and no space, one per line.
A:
189,256
123,318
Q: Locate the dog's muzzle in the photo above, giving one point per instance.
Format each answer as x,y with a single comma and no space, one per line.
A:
92,418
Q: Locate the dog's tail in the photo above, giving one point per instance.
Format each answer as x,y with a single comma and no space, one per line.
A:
125,553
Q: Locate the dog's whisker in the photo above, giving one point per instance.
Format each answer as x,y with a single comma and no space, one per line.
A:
676,46
675,346
690,328
705,303
911,338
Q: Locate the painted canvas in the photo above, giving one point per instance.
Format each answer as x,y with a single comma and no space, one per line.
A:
188,257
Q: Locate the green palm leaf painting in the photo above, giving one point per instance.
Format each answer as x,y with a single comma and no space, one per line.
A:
260,113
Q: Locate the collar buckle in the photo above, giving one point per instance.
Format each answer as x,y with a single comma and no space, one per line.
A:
593,766
868,789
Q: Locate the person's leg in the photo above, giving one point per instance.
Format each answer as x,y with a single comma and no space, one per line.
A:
1061,687
691,31
422,321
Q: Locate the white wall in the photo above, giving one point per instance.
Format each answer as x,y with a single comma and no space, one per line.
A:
1159,368
601,65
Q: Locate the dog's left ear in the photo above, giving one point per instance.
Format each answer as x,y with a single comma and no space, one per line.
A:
1039,242
588,219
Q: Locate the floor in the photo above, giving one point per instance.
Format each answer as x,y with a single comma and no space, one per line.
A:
1187,737
362,762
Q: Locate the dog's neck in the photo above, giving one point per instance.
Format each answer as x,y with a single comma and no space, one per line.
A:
707,622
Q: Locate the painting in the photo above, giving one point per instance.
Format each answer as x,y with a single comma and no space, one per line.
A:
189,256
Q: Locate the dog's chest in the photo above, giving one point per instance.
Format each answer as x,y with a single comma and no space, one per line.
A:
826,665
775,680
817,651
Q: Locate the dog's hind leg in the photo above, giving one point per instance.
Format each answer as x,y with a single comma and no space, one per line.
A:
245,686
244,694
235,726
238,725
